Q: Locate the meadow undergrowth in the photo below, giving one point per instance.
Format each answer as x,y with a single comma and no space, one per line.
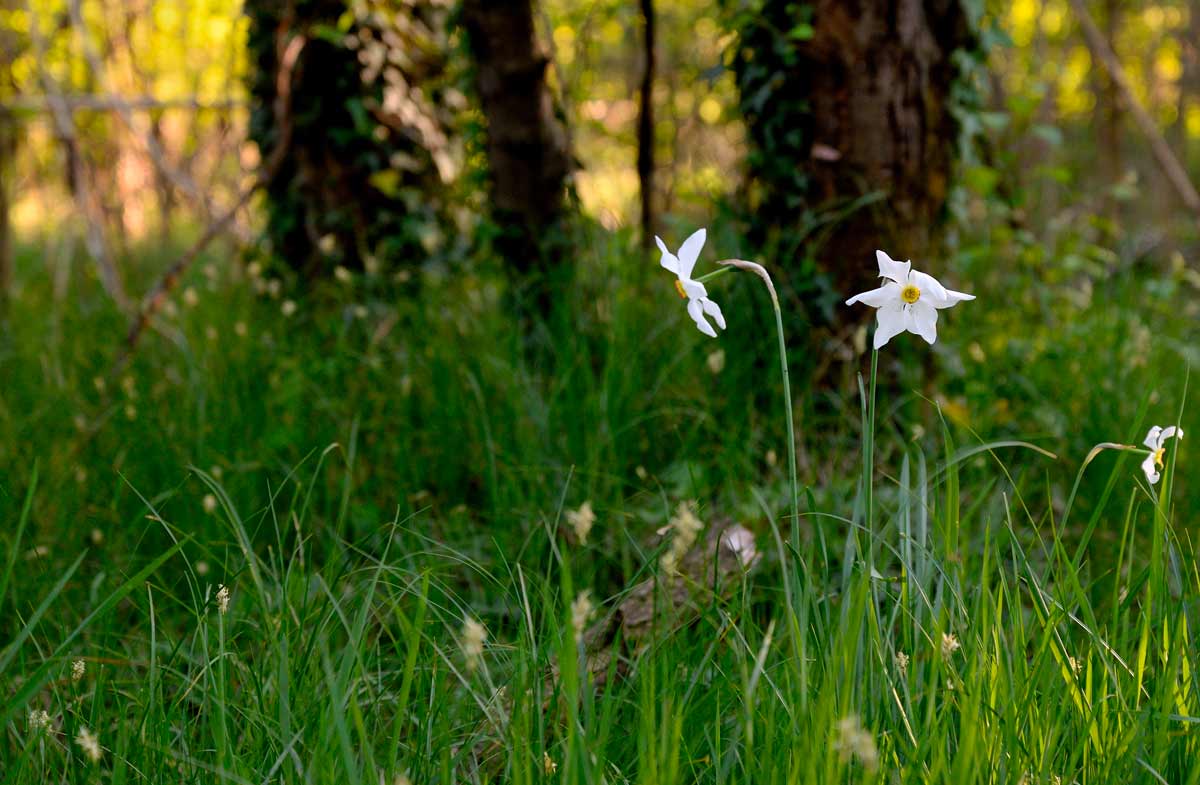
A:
267,546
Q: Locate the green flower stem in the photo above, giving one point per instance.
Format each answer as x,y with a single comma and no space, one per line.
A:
869,458
762,273
722,271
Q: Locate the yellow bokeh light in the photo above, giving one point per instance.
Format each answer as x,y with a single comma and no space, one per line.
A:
710,110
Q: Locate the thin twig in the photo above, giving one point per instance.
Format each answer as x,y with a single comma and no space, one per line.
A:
104,102
64,123
1167,161
177,177
157,296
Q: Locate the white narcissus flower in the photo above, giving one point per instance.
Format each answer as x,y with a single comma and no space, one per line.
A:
908,301
693,291
1156,440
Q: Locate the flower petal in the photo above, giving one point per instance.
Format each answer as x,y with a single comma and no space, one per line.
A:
668,261
953,298
1152,439
931,288
714,310
1170,432
696,311
689,252
877,298
921,318
1149,468
890,268
693,289
889,323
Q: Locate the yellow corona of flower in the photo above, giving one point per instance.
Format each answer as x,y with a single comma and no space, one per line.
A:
1156,440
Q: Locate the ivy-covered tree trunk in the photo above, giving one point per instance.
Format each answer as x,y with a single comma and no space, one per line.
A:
848,108
527,148
371,144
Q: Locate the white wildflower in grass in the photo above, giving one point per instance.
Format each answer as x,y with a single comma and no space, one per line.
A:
210,503
581,521
288,308
472,639
902,662
684,528
699,306
201,568
908,301
1156,440
342,274
39,719
360,312
716,361
854,742
222,599
240,329
581,611
548,764
190,298
950,645
78,668
90,745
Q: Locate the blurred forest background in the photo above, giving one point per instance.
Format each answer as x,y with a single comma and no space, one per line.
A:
341,387
233,233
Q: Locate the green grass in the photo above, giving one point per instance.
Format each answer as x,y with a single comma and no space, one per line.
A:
377,478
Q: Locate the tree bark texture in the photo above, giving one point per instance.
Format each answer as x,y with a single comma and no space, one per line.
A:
372,140
526,143
866,100
645,134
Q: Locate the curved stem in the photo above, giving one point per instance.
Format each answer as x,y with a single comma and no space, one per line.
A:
721,271
761,272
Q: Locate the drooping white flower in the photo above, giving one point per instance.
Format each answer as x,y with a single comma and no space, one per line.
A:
1156,440
908,301
693,291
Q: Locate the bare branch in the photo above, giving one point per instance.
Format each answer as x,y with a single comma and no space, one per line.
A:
153,301
1174,171
64,123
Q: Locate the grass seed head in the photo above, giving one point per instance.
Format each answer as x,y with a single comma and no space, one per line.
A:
471,639
90,745
581,521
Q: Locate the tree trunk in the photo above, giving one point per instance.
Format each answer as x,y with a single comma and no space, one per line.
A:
371,138
645,154
526,140
851,128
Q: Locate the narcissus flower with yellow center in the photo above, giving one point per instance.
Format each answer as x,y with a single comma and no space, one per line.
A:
909,301
693,291
1156,440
